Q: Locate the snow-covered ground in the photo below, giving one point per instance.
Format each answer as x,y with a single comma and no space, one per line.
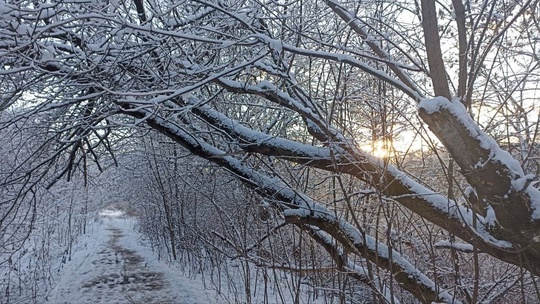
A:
113,266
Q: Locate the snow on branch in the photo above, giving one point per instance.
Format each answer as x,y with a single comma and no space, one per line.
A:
468,248
496,176
359,272
279,45
398,186
300,208
354,23
314,123
409,277
456,108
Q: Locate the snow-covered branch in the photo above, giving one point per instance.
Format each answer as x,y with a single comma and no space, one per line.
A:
301,209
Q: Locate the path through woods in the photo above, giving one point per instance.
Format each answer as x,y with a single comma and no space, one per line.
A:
112,266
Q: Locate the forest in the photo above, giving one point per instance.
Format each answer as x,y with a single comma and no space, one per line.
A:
337,151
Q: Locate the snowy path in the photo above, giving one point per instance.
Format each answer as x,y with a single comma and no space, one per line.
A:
111,266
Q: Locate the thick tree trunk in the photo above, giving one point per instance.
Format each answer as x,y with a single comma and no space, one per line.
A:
497,178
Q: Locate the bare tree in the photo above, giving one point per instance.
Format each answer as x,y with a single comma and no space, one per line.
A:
256,87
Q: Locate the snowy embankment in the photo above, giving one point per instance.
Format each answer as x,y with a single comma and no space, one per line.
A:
113,266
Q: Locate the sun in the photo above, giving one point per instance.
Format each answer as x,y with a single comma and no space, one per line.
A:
378,148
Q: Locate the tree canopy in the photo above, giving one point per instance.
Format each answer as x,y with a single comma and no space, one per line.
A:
270,89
